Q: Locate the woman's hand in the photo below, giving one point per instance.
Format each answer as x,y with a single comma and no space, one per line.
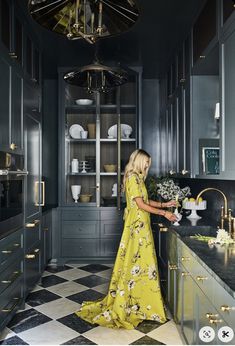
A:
170,216
169,204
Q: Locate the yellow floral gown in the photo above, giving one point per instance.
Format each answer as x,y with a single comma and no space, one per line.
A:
134,292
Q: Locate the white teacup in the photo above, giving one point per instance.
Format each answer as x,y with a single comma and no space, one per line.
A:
83,134
76,190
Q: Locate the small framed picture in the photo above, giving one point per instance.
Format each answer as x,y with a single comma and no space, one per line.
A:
210,160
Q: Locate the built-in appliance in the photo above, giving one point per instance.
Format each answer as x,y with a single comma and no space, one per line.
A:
11,191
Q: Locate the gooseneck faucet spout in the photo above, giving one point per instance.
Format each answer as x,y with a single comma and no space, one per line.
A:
224,197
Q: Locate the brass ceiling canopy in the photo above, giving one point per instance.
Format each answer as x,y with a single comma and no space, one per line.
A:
88,19
97,77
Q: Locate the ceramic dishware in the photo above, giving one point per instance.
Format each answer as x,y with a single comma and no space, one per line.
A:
76,189
83,134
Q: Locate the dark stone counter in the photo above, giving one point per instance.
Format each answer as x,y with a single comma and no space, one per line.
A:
218,260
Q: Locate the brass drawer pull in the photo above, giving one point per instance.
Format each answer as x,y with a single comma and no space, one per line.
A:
211,320
32,224
7,251
227,308
184,274
30,256
13,146
201,278
16,244
185,259
163,229
46,229
13,278
36,250
210,315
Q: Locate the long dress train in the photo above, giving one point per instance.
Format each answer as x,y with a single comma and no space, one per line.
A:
134,292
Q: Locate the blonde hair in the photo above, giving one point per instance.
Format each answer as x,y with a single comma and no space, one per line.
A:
136,164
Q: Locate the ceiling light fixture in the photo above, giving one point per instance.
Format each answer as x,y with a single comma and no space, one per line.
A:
88,19
97,77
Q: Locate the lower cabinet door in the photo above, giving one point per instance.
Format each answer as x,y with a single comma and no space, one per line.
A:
32,269
187,319
85,247
109,246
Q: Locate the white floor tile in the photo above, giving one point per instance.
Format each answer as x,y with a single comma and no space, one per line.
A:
167,334
105,273
37,288
67,288
27,307
58,308
73,274
102,288
6,334
108,336
45,273
50,333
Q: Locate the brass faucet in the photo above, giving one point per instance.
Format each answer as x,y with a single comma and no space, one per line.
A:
226,214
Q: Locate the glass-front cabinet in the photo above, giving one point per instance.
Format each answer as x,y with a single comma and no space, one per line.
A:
99,132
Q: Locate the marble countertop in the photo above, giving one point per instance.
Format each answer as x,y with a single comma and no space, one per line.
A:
218,260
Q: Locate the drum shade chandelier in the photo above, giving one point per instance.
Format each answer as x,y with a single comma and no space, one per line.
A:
87,19
97,77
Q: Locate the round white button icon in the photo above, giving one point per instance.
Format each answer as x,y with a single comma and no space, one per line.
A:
206,334
225,334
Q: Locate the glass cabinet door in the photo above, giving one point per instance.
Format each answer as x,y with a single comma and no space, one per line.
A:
80,147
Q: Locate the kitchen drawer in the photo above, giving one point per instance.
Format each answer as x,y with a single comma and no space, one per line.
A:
111,228
10,247
32,268
11,274
80,247
222,299
80,229
10,300
32,234
111,215
71,215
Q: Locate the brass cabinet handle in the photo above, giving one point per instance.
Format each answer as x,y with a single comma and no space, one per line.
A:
7,251
13,305
37,202
13,146
184,274
36,250
46,229
201,278
185,259
210,315
32,224
163,229
30,256
12,279
211,320
227,308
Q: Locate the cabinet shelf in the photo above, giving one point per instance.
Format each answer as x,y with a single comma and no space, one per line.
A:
101,140
92,108
82,174
81,140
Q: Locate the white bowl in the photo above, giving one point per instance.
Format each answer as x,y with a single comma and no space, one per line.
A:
84,102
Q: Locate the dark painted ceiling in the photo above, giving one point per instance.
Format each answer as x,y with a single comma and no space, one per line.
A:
162,25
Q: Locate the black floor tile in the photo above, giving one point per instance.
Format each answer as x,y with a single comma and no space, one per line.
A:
26,320
51,280
41,297
57,269
91,281
74,322
85,296
80,340
147,326
14,340
94,268
146,340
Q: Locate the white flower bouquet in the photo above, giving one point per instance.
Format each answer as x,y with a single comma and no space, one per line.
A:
169,190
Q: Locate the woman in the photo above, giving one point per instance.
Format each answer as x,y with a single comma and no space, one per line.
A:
134,292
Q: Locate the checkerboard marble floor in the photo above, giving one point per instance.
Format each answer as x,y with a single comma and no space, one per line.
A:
49,318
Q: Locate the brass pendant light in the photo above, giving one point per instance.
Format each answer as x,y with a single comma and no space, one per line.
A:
97,77
88,19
